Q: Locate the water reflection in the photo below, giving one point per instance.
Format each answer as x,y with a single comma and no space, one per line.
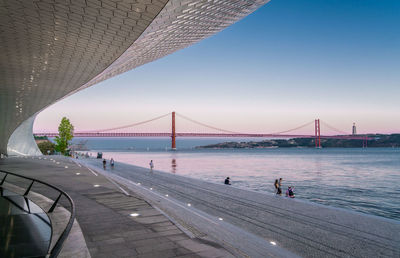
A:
173,165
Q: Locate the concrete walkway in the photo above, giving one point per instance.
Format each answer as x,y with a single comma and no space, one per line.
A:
114,224
301,227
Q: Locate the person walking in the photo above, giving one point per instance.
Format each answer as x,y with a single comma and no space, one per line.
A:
104,163
151,165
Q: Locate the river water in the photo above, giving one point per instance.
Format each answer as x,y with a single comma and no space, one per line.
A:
364,180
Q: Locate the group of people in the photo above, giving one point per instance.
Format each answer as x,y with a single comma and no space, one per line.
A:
151,164
277,184
278,188
111,163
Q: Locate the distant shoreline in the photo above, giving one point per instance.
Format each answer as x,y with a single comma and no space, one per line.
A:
377,141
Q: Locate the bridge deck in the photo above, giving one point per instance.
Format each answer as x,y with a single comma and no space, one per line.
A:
210,135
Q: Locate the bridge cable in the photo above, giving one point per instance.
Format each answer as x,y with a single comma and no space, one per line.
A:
126,126
334,129
293,129
208,126
227,131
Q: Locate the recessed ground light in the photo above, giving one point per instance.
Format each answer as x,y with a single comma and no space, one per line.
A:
189,204
166,195
273,243
134,214
66,166
96,185
138,183
78,174
220,218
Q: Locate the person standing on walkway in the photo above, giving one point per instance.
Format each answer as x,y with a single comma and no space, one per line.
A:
104,163
279,191
112,162
151,165
276,184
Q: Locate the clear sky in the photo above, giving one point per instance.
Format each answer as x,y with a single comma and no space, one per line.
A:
286,64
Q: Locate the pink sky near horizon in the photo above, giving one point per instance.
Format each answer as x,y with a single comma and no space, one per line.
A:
101,113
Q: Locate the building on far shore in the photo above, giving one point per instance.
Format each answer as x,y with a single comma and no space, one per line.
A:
354,131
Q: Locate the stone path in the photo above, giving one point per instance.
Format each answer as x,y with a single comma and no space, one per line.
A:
107,216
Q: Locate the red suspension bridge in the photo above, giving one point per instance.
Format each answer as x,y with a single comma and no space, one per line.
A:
115,132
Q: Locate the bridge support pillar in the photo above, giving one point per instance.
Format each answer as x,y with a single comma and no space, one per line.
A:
173,133
365,142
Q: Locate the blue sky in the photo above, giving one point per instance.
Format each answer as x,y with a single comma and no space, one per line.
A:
288,63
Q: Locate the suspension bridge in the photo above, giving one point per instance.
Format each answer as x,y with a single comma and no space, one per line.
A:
218,132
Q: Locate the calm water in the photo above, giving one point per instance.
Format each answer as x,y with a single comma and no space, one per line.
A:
365,180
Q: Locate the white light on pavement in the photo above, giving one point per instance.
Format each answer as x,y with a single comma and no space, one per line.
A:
134,214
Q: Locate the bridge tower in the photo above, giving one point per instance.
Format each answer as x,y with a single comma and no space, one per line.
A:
173,133
317,134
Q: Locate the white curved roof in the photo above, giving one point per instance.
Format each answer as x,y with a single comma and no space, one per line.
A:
51,49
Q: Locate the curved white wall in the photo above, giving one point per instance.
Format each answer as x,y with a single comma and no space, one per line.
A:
22,142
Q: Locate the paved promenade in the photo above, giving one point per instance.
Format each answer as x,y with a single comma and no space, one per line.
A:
303,228
103,211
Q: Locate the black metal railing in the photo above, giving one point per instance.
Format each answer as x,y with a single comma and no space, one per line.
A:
60,242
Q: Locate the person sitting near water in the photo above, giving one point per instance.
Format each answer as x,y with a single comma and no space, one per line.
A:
227,181
290,192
